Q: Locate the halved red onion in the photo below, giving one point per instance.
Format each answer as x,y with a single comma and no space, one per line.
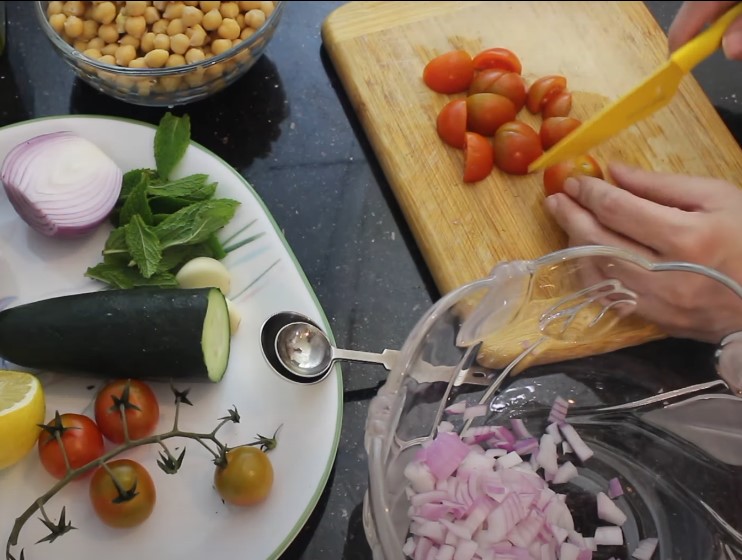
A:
60,184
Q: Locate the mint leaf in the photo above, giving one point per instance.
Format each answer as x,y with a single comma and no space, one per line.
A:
126,278
115,250
171,141
136,204
168,204
132,178
143,245
195,223
193,187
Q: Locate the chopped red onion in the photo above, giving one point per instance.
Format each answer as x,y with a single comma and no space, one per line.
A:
645,549
456,408
558,411
519,429
61,184
476,411
609,511
566,472
614,488
608,536
580,448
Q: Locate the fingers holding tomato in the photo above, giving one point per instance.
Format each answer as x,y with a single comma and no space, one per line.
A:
556,175
138,403
81,442
122,493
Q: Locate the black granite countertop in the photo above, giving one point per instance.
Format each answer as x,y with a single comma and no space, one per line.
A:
288,128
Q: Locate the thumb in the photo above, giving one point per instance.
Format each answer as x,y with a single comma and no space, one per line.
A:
732,41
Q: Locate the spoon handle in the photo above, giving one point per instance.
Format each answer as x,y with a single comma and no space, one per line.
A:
387,358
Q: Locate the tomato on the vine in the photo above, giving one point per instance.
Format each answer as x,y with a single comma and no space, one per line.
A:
554,129
81,439
515,146
542,90
247,478
497,57
450,72
558,105
486,112
451,123
502,82
555,175
128,506
140,404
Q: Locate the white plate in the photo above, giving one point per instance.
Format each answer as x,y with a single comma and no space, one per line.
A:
190,520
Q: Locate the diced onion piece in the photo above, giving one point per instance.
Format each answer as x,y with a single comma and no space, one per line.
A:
558,412
205,272
456,408
60,184
475,411
568,551
609,511
645,549
608,536
580,448
614,488
566,472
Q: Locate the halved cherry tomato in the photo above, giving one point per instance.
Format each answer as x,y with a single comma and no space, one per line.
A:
479,161
451,72
498,57
558,105
555,175
486,112
451,123
554,129
502,82
542,90
515,146
81,439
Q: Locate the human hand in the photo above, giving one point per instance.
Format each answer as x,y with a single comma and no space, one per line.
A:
693,17
663,217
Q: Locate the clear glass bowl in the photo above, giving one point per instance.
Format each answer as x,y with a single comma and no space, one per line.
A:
165,87
678,487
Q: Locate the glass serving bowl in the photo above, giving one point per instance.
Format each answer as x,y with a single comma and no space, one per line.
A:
680,485
166,86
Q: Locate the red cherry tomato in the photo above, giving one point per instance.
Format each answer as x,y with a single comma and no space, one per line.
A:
558,105
542,90
451,123
515,146
105,496
81,439
486,112
555,175
479,162
142,413
554,129
498,58
451,72
502,82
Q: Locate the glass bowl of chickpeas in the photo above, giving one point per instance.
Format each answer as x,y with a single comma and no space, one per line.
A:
160,53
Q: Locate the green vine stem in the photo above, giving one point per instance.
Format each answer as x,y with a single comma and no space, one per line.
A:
158,439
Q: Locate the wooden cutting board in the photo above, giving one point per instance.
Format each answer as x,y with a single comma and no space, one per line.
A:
379,50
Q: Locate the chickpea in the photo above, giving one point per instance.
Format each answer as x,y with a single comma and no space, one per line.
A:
255,18
175,60
135,26
151,15
144,88
104,12
80,45
191,3
138,63
194,55
125,54
267,8
175,26
96,43
92,53
169,84
73,27
197,35
179,43
229,29
160,26
156,58
208,6
246,33
73,9
129,40
174,10
107,59
229,9
211,20
247,6
218,46
110,48
89,29
162,41
195,78
216,70
108,32
136,8
57,22
147,43
240,19
160,5
54,8
191,16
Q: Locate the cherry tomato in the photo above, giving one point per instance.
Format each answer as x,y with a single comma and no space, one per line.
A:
451,72
542,90
555,175
81,439
248,477
558,105
142,412
451,123
515,146
479,158
554,129
107,501
486,112
502,82
498,58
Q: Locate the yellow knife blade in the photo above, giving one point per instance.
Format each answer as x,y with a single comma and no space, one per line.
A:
651,95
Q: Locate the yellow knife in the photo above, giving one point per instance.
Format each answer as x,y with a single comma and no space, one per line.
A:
651,95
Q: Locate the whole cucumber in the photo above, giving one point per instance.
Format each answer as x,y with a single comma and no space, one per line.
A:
148,333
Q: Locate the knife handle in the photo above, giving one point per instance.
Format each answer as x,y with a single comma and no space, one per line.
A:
706,43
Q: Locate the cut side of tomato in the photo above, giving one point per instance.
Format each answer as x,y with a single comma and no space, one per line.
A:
451,72
497,57
515,146
479,162
558,105
501,82
555,175
554,129
542,90
451,123
486,112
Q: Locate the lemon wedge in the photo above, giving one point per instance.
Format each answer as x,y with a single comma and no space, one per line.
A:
22,408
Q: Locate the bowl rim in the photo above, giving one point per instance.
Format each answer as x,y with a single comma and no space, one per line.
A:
268,27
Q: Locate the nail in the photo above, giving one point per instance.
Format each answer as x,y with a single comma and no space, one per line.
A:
572,187
551,203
